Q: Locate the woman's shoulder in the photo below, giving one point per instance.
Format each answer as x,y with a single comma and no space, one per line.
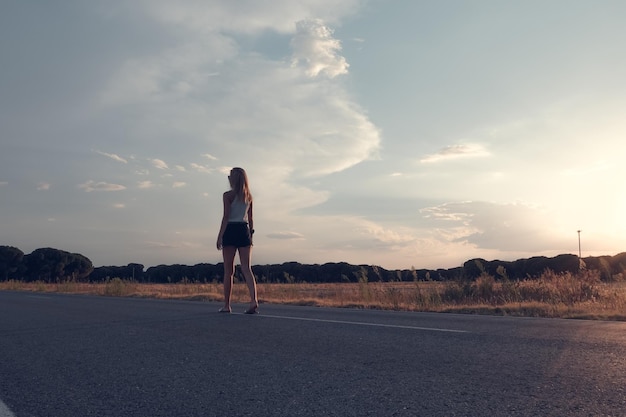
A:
229,195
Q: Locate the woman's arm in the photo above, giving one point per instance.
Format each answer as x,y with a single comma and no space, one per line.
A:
250,218
227,201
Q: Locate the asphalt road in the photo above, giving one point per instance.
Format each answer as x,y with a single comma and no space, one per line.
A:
68,355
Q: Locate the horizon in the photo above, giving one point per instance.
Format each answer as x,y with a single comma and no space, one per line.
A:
146,267
380,266
402,135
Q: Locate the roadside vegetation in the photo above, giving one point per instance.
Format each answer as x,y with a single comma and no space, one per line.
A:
566,295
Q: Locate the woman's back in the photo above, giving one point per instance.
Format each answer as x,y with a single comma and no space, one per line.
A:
238,211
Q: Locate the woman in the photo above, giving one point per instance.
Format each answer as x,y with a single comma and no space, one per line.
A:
236,236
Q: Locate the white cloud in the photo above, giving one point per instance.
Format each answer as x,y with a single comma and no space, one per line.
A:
171,245
201,168
161,245
119,205
171,75
456,152
158,163
250,17
506,227
269,113
90,186
302,128
113,156
353,238
179,184
285,235
3,183
281,122
315,48
387,236
447,212
43,186
145,184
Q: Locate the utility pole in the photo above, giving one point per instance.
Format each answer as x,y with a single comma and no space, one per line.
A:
579,251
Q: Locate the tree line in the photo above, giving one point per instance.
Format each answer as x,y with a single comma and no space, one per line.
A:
54,265
45,264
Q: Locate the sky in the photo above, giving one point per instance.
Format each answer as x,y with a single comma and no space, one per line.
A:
393,133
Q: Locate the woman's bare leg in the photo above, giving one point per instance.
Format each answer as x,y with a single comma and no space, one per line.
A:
245,255
229,270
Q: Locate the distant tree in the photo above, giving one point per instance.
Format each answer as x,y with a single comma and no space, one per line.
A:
50,265
10,260
618,264
610,267
183,273
131,271
135,271
473,268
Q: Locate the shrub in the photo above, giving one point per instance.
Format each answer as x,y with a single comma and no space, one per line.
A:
117,288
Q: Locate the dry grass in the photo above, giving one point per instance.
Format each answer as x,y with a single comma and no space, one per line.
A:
553,295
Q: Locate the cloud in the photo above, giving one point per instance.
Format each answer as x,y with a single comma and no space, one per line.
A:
43,186
119,205
170,245
386,236
90,186
285,235
3,183
516,227
283,123
146,184
316,50
355,239
179,184
253,17
270,114
456,152
202,168
161,245
450,212
173,74
158,163
181,168
113,156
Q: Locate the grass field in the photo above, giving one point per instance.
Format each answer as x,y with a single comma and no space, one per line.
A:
552,295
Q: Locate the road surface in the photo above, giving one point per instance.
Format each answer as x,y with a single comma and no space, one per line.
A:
71,355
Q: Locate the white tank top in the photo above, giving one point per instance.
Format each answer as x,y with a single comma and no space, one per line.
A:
238,211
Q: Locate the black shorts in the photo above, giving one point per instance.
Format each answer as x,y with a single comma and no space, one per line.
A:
237,235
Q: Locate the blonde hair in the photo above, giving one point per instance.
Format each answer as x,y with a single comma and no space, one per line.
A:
239,184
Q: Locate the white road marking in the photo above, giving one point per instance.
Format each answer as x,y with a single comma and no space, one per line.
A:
4,410
358,323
